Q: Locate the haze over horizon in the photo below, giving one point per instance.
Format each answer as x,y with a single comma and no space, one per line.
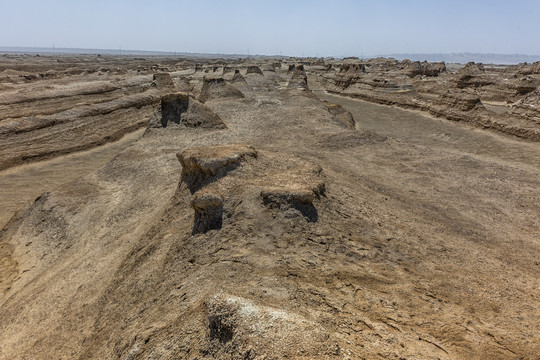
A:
299,28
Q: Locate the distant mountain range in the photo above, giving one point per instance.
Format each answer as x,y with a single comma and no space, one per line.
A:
459,58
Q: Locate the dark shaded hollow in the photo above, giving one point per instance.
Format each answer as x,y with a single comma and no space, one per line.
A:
219,329
307,209
209,218
172,107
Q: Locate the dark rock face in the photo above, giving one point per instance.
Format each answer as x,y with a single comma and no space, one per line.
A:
238,77
172,108
254,70
284,199
298,78
208,208
182,110
202,164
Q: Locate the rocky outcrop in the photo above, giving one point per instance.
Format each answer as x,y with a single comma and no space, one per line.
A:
163,82
208,208
529,106
298,78
524,85
459,101
217,176
433,69
239,327
35,138
254,69
414,69
431,87
294,190
183,84
530,69
238,77
473,75
202,164
352,69
426,69
342,115
217,88
180,109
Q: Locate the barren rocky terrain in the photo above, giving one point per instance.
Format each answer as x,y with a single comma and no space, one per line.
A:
178,208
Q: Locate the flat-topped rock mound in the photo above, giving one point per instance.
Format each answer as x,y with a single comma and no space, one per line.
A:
201,163
163,82
425,68
459,101
180,109
218,88
295,189
218,176
183,84
212,159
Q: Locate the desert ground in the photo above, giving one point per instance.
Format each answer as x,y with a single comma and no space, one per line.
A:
268,208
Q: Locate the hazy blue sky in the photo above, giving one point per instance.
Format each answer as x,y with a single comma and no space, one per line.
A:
309,28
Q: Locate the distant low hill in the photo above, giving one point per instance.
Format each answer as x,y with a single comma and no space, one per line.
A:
460,58
81,51
463,58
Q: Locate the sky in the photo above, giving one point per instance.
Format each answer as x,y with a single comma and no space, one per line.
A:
295,28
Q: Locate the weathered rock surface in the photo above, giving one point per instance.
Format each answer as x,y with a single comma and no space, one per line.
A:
163,82
416,240
26,139
452,94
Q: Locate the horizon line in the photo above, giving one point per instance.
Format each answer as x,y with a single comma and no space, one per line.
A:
120,51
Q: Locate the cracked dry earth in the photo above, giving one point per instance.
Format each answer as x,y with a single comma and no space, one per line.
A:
283,234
